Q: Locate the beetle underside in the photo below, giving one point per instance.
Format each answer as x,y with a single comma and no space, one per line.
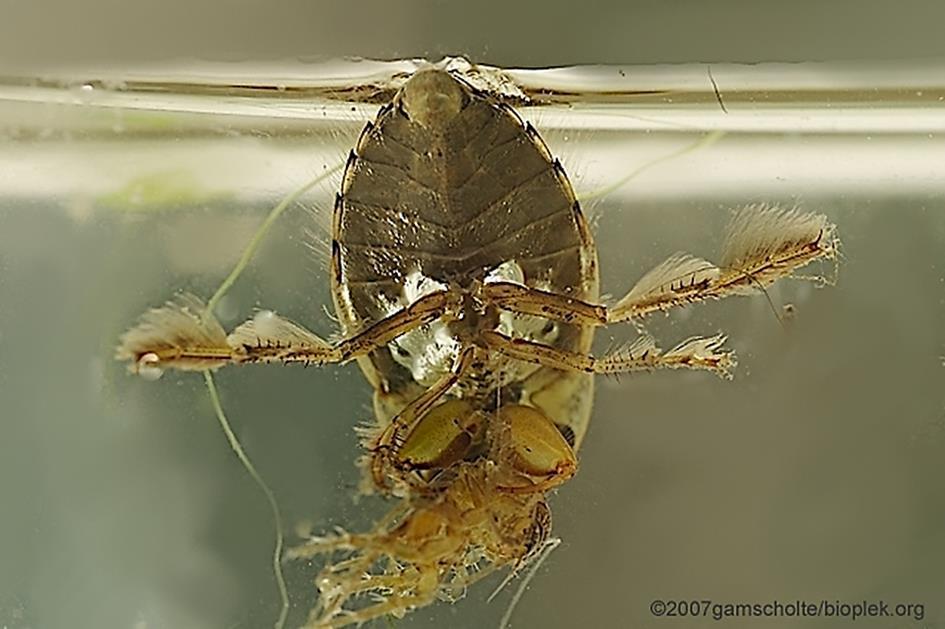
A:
476,339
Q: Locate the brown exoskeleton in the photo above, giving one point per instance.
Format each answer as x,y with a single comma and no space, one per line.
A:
490,509
465,279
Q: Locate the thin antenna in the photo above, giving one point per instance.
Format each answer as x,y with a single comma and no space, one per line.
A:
549,546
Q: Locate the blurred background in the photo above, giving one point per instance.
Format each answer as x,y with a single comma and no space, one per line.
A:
491,31
815,474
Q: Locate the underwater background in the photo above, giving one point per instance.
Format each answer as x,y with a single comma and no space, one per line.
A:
815,474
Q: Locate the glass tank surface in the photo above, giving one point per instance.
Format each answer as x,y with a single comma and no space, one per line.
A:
814,475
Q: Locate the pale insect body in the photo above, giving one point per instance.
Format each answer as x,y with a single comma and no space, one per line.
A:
465,279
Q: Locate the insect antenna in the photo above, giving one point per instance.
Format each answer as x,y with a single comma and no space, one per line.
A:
549,545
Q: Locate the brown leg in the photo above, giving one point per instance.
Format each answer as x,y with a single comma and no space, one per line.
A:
762,246
533,301
643,355
417,589
385,445
180,335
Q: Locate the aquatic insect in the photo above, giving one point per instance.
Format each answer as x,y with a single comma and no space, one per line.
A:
465,279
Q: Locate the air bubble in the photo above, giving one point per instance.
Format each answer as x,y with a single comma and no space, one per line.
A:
83,91
266,323
147,367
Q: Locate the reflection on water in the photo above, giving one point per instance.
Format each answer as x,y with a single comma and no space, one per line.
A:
815,474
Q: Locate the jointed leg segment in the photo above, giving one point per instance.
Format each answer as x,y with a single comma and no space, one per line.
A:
763,245
181,335
643,355
385,445
526,300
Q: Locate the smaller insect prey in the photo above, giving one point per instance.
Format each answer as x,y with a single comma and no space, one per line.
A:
465,279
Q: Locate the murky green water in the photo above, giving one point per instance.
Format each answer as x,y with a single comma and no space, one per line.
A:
815,474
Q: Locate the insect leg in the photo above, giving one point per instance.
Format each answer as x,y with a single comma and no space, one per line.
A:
534,301
337,583
643,355
385,444
762,246
417,588
183,335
